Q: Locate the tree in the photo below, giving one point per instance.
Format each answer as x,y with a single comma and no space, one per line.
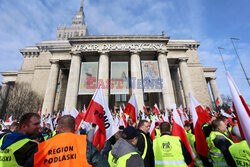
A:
21,99
227,102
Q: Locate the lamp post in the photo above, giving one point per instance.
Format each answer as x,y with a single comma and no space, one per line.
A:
219,48
232,39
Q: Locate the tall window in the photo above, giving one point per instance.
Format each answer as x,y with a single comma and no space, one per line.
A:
120,97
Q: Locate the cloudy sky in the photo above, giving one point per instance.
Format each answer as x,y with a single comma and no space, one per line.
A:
211,22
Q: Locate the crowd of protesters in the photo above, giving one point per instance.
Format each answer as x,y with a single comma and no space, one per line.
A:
26,143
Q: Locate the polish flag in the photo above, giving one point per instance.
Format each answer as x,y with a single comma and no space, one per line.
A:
241,109
132,109
145,109
49,121
208,109
57,117
122,121
165,117
157,111
178,130
229,110
65,112
99,114
8,121
84,110
143,116
78,118
152,129
217,101
196,110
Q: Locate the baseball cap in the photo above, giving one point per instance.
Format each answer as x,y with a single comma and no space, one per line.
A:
129,132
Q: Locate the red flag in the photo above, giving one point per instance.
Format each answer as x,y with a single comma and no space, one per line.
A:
157,111
198,120
132,109
178,130
229,110
217,101
145,109
78,118
122,121
241,110
152,129
99,114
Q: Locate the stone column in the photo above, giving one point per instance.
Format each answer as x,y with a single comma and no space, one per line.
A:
136,78
185,77
73,82
178,87
50,94
103,74
167,87
215,90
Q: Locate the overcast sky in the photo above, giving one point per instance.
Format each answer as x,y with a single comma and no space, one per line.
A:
211,22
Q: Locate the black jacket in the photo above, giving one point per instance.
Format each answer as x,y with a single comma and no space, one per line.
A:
149,159
223,144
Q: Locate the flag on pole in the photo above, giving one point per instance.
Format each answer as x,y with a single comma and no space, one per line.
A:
178,130
201,144
229,117
99,114
145,109
217,101
8,121
157,111
241,109
132,108
152,129
122,121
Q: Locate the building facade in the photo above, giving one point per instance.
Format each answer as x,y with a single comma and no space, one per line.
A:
155,68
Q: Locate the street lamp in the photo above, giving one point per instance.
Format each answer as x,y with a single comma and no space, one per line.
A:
232,39
219,48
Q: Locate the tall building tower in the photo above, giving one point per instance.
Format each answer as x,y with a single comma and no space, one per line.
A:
77,28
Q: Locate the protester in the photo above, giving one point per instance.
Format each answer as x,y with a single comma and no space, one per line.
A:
219,144
240,153
66,149
170,150
235,133
124,152
16,146
145,143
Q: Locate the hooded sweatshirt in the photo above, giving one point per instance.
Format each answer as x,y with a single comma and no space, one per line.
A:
122,147
22,154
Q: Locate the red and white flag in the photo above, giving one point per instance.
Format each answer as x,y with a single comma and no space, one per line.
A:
241,109
49,121
122,121
197,110
229,117
78,118
152,129
145,110
217,101
178,130
132,109
157,111
99,114
165,117
58,115
8,121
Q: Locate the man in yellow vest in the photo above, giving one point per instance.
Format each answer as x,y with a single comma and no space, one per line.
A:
170,150
240,153
145,143
219,144
124,152
17,147
66,149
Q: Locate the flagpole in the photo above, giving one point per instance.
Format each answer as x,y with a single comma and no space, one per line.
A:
239,59
219,48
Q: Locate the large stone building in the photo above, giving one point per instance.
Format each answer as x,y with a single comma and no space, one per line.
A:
155,68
